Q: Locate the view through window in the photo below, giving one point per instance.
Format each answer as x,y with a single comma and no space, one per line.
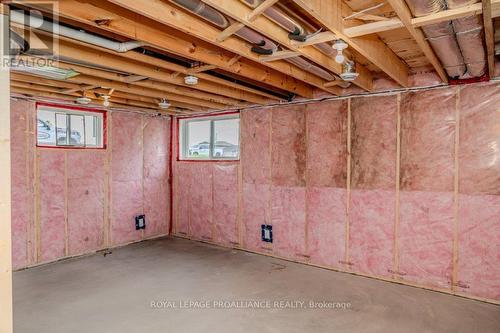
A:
59,127
210,138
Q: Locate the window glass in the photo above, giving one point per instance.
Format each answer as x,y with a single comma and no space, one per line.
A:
210,138
198,133
46,124
67,127
226,138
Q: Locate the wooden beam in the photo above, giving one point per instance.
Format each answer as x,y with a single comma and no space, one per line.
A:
279,55
489,36
169,15
107,84
127,24
372,28
134,78
6,318
333,83
447,15
79,88
201,69
329,14
52,92
319,38
404,14
229,31
119,62
266,4
238,11
143,65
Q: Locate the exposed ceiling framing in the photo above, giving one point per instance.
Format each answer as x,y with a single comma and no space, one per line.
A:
383,39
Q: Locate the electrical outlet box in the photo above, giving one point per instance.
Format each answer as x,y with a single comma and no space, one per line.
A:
140,222
267,233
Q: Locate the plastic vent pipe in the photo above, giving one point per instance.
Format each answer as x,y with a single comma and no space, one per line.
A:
39,23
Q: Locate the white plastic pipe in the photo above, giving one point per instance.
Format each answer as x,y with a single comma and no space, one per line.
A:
39,23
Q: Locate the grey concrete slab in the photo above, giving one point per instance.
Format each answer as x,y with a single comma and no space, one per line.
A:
116,294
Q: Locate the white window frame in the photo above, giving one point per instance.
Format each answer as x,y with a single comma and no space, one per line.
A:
183,149
69,112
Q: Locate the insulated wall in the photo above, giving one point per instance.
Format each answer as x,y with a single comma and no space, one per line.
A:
69,202
402,187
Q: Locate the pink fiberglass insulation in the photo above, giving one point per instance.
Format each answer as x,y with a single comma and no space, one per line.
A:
256,170
288,146
52,204
326,214
326,144
225,209
288,221
256,211
288,207
426,197
373,184
22,195
479,156
85,199
127,177
479,184
255,146
326,181
201,201
182,189
156,164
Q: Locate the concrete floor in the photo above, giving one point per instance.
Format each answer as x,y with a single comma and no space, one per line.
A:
114,294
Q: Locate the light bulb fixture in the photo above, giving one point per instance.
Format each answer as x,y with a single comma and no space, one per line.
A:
340,46
191,80
106,102
164,104
349,71
83,100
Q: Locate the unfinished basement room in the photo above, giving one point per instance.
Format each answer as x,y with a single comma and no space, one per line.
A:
250,166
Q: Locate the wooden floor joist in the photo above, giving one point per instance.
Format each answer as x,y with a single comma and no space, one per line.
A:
177,42
238,11
329,13
405,16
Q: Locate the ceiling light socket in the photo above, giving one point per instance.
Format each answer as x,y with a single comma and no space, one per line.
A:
106,102
340,46
164,104
191,80
349,71
83,100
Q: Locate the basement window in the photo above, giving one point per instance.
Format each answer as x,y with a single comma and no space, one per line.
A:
68,127
210,138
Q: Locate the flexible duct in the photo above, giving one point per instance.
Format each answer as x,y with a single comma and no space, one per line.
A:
441,36
40,23
469,36
262,45
458,43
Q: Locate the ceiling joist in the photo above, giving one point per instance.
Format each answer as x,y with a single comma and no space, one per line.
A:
329,14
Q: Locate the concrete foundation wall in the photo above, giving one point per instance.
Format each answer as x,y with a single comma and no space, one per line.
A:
69,202
402,187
